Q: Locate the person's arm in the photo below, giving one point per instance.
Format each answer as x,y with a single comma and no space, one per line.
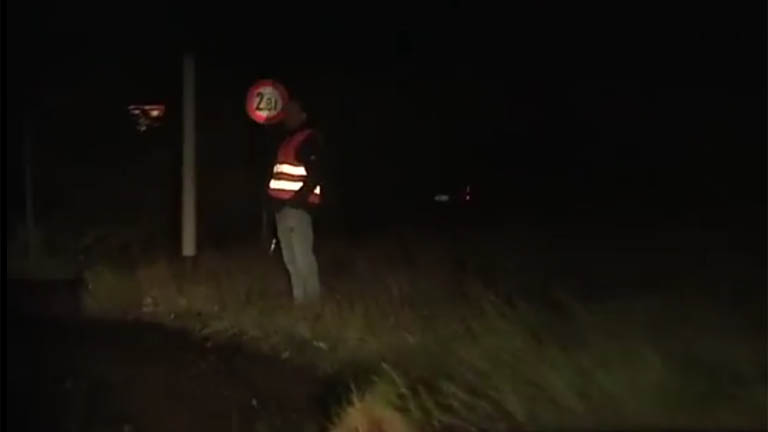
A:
310,155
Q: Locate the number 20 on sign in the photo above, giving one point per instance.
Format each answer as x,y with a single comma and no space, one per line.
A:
265,101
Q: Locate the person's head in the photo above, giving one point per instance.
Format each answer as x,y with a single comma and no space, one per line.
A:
294,114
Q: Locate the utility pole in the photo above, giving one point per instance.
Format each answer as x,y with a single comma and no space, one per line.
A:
188,198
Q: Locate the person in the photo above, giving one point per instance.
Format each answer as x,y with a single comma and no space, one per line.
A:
295,190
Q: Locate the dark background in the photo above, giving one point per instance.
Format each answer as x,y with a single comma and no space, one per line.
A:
644,113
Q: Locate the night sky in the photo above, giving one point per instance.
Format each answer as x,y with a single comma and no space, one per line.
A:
647,106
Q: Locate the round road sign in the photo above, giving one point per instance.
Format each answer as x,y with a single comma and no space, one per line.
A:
265,101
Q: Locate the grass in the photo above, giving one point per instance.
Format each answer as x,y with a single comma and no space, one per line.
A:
421,331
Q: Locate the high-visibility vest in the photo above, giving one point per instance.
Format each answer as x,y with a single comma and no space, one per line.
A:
288,174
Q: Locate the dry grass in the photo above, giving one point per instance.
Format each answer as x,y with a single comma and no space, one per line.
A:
371,413
447,353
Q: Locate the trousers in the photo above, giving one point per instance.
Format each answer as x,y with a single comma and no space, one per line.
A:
294,230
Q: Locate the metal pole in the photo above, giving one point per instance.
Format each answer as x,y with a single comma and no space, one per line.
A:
188,201
265,237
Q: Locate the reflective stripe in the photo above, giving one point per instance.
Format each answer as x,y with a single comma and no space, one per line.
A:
284,168
289,185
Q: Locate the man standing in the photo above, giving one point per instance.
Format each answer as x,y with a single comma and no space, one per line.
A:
295,191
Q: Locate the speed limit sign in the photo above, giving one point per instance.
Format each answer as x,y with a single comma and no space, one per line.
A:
265,101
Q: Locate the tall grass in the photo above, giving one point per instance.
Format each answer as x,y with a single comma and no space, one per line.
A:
420,332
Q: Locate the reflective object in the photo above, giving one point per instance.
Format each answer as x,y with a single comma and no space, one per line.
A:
146,116
460,195
272,246
289,169
289,185
288,173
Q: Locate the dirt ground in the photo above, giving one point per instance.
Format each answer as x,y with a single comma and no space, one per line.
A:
66,375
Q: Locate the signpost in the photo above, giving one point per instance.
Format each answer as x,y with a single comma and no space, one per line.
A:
265,101
188,199
264,104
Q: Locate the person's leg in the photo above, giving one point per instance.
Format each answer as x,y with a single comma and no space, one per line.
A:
305,256
286,233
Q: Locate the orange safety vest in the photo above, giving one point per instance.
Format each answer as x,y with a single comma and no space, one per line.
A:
288,173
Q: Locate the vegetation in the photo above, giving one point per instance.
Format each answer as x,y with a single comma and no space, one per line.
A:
427,338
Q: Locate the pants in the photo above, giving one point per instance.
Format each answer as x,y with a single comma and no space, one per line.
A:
294,230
